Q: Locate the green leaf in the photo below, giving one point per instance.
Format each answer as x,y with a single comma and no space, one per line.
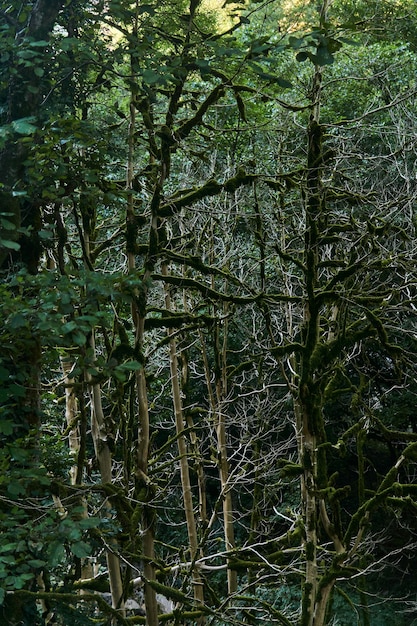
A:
271,78
8,547
18,454
36,563
6,224
27,54
24,126
2,595
129,366
349,42
14,488
41,43
204,66
20,581
324,56
80,549
334,45
4,132
4,373
89,522
7,558
17,391
91,177
302,56
56,552
150,77
6,427
18,321
259,46
283,82
296,42
69,327
10,245
79,338
146,8
45,234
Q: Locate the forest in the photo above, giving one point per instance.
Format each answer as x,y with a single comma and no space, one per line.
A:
208,246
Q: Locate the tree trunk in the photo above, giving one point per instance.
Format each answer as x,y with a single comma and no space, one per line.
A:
309,393
183,454
73,418
216,405
104,458
142,487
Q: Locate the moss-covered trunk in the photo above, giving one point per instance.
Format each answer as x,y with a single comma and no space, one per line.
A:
143,489
309,397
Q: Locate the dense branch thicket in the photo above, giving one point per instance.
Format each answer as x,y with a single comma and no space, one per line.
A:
207,243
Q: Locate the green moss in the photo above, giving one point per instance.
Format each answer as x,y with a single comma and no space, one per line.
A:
131,235
305,605
310,551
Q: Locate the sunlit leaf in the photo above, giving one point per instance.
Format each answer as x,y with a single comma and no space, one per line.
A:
24,126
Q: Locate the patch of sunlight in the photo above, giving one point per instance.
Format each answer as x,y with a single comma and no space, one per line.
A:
224,11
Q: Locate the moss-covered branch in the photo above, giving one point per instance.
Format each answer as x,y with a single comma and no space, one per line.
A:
55,597
185,129
177,320
218,296
196,263
211,188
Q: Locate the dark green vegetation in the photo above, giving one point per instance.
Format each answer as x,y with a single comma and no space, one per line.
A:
208,286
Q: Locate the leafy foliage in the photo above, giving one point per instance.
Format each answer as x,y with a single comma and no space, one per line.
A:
207,374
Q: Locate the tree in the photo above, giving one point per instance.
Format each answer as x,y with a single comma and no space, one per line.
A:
221,292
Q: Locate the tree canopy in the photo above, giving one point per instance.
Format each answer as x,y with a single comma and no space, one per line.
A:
207,365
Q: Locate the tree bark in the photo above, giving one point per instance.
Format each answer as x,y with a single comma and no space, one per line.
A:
309,393
138,310
75,439
183,453
104,458
216,401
